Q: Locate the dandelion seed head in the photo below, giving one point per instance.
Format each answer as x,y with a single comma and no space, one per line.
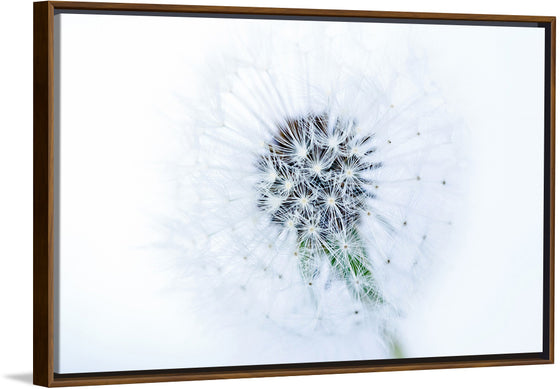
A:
324,164
285,155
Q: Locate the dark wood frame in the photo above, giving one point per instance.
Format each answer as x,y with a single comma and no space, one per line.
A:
43,204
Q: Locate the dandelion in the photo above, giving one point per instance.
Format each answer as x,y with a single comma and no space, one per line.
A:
324,181
308,185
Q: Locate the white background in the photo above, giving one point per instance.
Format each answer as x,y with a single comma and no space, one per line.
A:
118,171
16,214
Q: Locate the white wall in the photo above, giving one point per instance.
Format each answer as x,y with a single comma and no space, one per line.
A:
16,209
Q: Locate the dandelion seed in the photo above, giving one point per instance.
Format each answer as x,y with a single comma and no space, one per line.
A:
333,142
317,168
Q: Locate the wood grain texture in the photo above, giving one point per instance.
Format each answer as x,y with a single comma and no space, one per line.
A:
42,194
43,207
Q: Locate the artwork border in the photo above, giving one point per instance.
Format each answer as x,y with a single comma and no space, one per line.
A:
43,199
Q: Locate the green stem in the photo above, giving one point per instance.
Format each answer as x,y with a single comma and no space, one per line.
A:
352,266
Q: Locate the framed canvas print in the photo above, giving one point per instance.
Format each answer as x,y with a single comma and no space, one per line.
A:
226,192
